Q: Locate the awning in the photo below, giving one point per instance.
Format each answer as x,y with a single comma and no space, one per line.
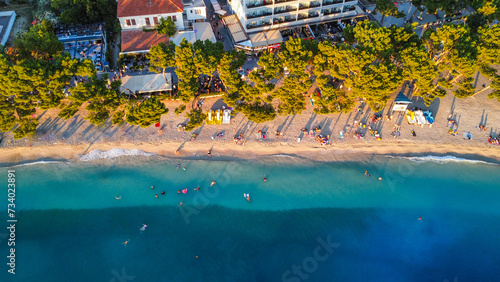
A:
147,83
235,28
402,99
266,38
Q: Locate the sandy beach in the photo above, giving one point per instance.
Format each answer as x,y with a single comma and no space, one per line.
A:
60,139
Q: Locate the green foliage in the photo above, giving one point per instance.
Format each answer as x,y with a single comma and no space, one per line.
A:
146,113
291,96
7,118
117,117
162,55
417,65
68,111
458,46
228,73
495,94
487,71
98,117
196,118
87,11
489,53
448,6
179,110
186,71
39,42
26,128
271,65
376,83
333,101
207,56
295,56
165,26
443,82
465,89
388,8
257,112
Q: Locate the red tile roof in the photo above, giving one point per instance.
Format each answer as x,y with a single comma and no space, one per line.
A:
130,8
138,40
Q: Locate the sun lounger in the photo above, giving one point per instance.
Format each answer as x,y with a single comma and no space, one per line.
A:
419,116
428,116
410,116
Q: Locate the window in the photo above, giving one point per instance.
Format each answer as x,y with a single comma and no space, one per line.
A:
197,11
133,21
174,18
148,23
128,22
191,11
155,20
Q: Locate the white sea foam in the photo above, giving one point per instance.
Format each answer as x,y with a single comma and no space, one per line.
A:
38,162
114,153
444,159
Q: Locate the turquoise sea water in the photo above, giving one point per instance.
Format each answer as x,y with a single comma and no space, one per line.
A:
308,222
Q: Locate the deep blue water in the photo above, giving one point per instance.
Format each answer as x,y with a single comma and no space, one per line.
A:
308,222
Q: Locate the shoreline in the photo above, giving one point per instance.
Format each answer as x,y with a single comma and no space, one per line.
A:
339,152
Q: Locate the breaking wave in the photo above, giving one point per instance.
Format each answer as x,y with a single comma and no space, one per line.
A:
113,153
444,159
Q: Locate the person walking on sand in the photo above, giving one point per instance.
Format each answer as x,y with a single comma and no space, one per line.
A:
209,154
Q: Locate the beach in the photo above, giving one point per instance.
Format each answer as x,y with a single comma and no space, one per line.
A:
60,139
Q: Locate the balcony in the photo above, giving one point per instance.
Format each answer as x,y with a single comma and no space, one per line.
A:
331,2
259,14
284,20
250,26
283,1
310,5
331,12
259,4
307,16
346,9
281,10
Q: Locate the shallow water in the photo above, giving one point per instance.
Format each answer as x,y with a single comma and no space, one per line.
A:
308,222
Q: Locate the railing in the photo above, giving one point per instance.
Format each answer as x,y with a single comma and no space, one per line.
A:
256,5
330,12
326,3
256,26
284,11
311,5
283,1
264,14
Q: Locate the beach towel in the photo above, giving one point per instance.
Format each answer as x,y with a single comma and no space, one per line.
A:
341,134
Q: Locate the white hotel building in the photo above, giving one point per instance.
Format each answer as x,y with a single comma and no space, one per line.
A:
264,15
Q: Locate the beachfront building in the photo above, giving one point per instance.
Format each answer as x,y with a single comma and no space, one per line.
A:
136,14
261,16
84,42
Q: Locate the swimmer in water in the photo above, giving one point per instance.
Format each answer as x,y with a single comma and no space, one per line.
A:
265,179
180,205
156,195
178,191
118,197
380,178
163,192
212,184
420,218
126,242
152,187
178,165
144,227
197,188
184,168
